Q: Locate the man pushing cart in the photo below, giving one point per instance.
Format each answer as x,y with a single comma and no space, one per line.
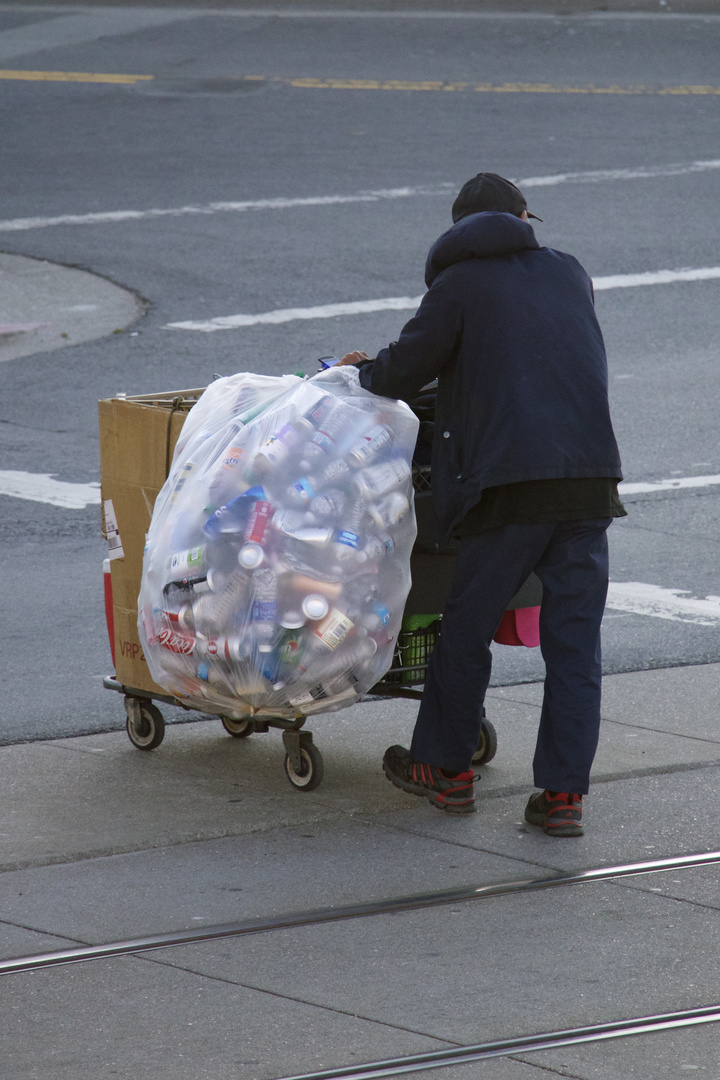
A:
525,469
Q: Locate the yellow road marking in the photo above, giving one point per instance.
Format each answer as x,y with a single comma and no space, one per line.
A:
72,76
486,88
432,85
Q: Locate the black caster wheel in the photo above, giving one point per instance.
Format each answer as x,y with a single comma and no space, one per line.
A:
145,724
487,744
239,729
311,771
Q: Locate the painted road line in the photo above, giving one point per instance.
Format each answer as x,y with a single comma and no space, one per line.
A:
435,85
677,605
597,176
411,303
655,277
283,315
111,216
285,203
402,85
73,76
676,484
44,488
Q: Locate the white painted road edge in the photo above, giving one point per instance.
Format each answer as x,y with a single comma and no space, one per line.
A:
109,217
283,315
411,303
633,597
677,605
675,484
44,488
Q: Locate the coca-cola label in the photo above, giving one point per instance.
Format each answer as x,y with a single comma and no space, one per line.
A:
176,643
218,647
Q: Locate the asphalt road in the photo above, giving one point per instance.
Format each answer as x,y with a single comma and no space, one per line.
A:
613,179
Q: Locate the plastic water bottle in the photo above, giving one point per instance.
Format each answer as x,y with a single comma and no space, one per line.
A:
300,493
377,547
348,539
376,618
183,476
351,656
333,431
337,677
335,472
226,480
330,505
264,608
224,607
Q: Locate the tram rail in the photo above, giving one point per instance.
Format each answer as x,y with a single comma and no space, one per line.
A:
316,916
551,1040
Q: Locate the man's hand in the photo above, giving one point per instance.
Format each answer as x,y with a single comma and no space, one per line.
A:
352,358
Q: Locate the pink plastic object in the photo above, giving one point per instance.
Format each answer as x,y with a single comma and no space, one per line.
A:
520,627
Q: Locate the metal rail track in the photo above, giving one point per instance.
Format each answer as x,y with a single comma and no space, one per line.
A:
463,1055
352,911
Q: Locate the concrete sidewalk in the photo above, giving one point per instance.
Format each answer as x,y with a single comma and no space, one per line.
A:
102,842
45,306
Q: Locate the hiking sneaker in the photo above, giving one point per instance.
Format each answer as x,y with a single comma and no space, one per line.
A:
559,813
455,794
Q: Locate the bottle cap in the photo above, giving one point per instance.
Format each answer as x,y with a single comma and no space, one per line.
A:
250,556
315,606
292,620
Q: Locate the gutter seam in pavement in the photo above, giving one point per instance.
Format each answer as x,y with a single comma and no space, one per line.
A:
297,1000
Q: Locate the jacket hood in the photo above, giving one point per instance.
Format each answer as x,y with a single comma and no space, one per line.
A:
479,236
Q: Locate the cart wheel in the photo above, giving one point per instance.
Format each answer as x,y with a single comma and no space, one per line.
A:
239,729
145,726
312,772
487,744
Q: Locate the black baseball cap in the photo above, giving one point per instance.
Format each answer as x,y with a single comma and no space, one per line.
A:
488,191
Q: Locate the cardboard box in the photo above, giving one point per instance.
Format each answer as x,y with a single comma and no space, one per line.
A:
137,439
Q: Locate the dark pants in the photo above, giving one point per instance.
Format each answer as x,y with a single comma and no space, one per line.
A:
571,560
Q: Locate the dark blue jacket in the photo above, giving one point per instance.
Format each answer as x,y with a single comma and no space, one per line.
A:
509,330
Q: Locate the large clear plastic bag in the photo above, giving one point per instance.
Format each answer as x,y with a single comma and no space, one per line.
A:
277,563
